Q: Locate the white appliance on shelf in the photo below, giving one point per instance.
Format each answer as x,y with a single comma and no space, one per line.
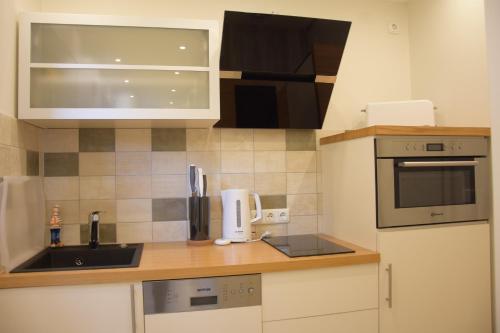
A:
236,218
22,211
400,113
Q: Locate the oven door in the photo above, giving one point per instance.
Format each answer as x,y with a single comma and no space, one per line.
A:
420,191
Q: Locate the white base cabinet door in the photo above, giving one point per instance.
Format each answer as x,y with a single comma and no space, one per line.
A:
440,280
350,322
75,309
240,320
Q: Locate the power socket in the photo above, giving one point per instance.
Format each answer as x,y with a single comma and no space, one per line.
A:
274,216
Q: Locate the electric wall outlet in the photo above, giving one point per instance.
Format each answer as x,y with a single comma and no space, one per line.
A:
274,216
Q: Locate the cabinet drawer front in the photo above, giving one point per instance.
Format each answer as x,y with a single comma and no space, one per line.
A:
296,294
242,320
351,322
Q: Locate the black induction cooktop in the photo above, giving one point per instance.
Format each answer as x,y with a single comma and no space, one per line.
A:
305,245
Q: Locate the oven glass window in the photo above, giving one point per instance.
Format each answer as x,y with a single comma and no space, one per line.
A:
434,186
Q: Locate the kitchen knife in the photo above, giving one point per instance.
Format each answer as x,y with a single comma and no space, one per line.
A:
192,179
204,185
200,182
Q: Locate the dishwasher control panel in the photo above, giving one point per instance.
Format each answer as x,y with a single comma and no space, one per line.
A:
167,296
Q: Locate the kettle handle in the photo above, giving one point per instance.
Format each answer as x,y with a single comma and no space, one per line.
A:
258,208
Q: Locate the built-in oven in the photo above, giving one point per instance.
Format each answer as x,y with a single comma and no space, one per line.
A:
431,180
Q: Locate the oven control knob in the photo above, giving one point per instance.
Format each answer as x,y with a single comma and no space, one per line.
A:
407,147
251,290
414,147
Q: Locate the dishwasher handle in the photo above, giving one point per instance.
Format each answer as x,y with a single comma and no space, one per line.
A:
429,164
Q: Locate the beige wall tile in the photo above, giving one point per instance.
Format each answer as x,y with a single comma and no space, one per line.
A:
31,136
237,180
59,140
270,183
215,208
97,187
5,129
209,161
237,162
302,204
133,139
70,234
133,187
236,139
169,162
134,210
270,161
106,207
269,139
300,183
97,164
61,188
303,225
320,203
203,139
318,162
133,163
215,229
134,232
169,186
69,210
213,184
275,229
301,161
319,182
172,231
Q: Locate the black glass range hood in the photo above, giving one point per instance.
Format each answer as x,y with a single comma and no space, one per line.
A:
278,71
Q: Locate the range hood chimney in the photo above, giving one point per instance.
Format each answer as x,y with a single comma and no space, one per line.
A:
278,71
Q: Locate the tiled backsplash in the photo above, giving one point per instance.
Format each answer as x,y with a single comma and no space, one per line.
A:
138,178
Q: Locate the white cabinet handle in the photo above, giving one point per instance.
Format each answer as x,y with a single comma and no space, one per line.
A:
132,307
389,293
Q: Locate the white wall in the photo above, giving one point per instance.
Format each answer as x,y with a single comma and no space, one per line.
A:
492,9
8,54
448,59
375,66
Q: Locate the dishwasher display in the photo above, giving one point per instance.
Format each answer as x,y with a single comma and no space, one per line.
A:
169,296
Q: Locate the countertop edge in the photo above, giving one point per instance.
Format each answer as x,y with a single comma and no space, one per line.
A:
405,131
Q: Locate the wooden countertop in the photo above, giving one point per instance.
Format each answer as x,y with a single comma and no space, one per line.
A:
178,260
405,130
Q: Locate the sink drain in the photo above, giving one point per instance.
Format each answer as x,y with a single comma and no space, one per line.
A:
78,261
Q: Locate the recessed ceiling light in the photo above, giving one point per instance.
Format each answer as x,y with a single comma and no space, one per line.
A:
126,81
132,96
176,73
173,90
171,103
118,60
182,47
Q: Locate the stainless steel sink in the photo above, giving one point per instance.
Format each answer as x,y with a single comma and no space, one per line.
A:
82,257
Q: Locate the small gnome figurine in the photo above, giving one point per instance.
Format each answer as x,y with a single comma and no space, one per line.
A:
55,227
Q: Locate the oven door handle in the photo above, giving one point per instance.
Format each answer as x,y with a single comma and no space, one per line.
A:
427,164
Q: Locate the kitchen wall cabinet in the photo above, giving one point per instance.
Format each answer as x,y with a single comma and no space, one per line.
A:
294,300
75,69
440,280
76,309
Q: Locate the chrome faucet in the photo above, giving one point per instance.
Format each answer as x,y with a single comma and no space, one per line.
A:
94,229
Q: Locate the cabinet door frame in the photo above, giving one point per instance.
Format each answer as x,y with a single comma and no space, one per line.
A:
24,69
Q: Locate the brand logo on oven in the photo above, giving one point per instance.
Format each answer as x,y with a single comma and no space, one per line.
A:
204,289
436,214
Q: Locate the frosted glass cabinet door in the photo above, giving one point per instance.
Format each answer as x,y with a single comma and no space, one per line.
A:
98,44
118,88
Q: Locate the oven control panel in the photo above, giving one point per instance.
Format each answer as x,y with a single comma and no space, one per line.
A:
431,146
184,295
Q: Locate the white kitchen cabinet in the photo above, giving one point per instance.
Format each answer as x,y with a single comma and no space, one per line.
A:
307,298
76,69
76,309
440,279
351,322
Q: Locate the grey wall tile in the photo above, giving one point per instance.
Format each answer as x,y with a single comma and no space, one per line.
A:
96,139
172,209
273,201
300,139
60,164
107,233
168,139
32,163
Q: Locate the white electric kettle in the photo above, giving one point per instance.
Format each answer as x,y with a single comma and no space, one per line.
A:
236,219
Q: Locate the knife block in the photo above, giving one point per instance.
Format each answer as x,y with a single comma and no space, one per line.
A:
199,220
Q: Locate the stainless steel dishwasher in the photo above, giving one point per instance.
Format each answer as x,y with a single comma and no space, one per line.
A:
215,304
